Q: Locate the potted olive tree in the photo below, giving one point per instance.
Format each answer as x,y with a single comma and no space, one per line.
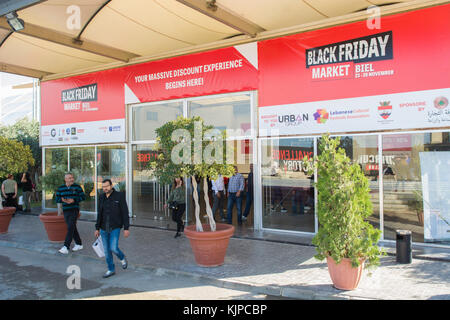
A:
186,147
345,238
15,157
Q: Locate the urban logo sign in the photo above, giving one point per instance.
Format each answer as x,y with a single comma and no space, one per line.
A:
385,109
293,119
321,116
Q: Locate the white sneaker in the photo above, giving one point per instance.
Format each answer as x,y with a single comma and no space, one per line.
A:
64,250
77,247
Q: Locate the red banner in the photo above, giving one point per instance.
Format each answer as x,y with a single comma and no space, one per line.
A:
102,95
91,97
410,52
214,72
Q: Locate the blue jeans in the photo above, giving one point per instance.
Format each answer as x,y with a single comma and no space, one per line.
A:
231,200
111,244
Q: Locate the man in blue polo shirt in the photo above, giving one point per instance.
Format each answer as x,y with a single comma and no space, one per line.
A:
70,195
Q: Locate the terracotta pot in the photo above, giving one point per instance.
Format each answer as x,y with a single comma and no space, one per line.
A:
5,218
209,247
343,275
55,226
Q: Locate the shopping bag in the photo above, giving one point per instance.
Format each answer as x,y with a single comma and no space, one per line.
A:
21,201
98,247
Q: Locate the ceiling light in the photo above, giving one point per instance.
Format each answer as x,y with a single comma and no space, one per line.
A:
14,21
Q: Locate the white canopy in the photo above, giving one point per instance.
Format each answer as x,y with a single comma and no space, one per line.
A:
69,37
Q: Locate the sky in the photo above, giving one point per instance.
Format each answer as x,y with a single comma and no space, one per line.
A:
15,103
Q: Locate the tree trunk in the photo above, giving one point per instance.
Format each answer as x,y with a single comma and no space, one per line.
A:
212,223
198,223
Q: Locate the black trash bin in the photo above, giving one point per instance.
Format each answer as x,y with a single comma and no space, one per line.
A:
404,246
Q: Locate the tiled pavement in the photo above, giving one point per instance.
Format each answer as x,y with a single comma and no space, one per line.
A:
271,267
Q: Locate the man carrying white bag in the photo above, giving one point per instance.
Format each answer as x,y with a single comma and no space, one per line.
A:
112,215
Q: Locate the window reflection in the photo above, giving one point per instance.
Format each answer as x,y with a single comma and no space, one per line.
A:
82,164
234,112
287,191
416,191
148,118
55,159
364,151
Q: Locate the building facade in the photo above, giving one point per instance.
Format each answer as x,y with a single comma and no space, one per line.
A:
383,90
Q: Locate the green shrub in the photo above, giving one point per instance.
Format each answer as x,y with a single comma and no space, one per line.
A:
343,207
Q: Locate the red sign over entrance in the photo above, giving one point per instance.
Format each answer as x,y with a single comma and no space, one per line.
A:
408,53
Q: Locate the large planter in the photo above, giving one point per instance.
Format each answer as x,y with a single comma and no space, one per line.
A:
55,226
343,275
5,218
209,247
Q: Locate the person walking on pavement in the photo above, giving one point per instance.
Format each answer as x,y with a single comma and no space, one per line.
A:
249,199
178,195
27,189
9,191
70,195
235,190
112,215
218,188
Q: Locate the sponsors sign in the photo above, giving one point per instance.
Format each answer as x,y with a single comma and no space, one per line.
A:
395,111
84,133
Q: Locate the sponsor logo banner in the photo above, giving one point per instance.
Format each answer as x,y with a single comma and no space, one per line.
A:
410,110
84,133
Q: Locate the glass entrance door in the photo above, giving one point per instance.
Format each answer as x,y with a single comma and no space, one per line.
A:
149,196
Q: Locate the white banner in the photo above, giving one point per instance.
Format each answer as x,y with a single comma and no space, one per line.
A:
410,110
84,133
436,189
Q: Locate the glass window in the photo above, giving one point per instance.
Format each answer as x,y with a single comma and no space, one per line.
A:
111,165
148,118
242,157
82,165
149,196
364,151
55,158
416,186
287,191
234,112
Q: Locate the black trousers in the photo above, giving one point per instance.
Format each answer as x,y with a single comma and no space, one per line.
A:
71,216
10,201
177,216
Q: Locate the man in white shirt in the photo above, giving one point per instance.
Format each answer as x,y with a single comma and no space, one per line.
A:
218,188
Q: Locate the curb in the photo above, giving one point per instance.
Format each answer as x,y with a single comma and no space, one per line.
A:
271,290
